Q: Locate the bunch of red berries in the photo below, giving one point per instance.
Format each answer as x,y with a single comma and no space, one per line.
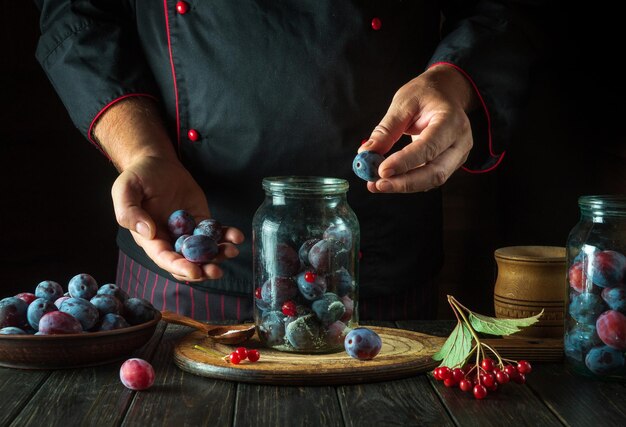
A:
483,378
242,353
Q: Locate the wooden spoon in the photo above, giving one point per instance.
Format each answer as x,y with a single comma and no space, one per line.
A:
223,334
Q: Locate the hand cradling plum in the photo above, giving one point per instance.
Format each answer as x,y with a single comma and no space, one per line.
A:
85,308
198,243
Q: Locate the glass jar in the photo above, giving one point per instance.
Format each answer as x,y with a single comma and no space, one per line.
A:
305,240
595,318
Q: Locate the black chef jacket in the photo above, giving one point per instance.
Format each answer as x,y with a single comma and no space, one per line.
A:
254,88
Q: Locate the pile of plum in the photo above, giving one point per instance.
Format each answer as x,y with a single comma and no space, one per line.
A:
198,243
85,307
306,296
595,336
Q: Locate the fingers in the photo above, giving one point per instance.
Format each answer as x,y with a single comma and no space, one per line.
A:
388,131
127,195
431,175
233,235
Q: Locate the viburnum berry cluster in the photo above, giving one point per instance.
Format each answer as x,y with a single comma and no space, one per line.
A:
485,374
240,354
485,377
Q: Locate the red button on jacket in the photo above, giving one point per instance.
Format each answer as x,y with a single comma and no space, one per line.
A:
182,7
376,24
193,135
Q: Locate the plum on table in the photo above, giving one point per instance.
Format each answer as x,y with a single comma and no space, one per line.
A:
362,343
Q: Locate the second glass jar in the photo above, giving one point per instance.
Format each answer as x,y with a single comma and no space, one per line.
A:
305,241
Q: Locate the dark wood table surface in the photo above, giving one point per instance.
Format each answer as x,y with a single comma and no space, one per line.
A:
95,397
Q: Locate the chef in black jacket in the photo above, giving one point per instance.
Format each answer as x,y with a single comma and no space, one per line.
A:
194,102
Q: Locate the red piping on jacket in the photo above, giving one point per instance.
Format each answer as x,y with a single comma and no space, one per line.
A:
169,48
101,112
487,115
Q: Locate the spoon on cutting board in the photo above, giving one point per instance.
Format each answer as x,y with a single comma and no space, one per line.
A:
223,334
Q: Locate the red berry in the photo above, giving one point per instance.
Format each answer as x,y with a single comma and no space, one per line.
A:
309,276
242,352
445,372
492,387
234,358
437,374
257,293
511,371
458,375
449,382
465,385
523,367
480,392
487,365
502,377
519,378
488,379
253,355
289,308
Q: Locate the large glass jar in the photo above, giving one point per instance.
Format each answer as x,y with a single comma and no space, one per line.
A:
305,240
595,320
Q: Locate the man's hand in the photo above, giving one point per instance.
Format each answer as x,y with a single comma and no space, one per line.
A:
145,194
152,184
432,109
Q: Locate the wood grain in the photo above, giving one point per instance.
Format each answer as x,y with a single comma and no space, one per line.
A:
408,402
404,353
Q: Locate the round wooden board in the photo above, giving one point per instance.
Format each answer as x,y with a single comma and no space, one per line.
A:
404,353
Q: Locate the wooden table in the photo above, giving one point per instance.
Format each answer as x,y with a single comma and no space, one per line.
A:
95,396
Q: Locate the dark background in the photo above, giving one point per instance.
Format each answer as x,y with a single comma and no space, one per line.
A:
56,216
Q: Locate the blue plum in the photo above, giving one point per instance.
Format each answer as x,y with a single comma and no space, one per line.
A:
13,312
611,328
277,290
329,308
111,321
113,290
349,305
199,249
615,298
362,343
272,328
579,340
365,165
328,255
178,244
586,307
607,268
12,330
27,297
81,309
303,252
304,333
341,282
336,333
107,304
58,322
339,232
313,288
180,222
82,286
49,290
210,228
283,261
59,301
37,309
604,360
138,311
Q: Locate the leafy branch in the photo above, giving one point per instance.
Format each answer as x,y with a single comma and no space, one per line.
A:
458,347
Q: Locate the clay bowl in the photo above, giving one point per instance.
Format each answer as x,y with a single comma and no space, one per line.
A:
73,350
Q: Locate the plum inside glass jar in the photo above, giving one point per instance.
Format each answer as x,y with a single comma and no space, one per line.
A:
305,242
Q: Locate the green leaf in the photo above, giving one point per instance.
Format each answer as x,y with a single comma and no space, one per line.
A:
494,326
456,348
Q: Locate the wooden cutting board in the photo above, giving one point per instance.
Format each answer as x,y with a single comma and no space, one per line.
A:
403,354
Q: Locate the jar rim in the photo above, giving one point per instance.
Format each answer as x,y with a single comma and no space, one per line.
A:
606,203
293,184
530,253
